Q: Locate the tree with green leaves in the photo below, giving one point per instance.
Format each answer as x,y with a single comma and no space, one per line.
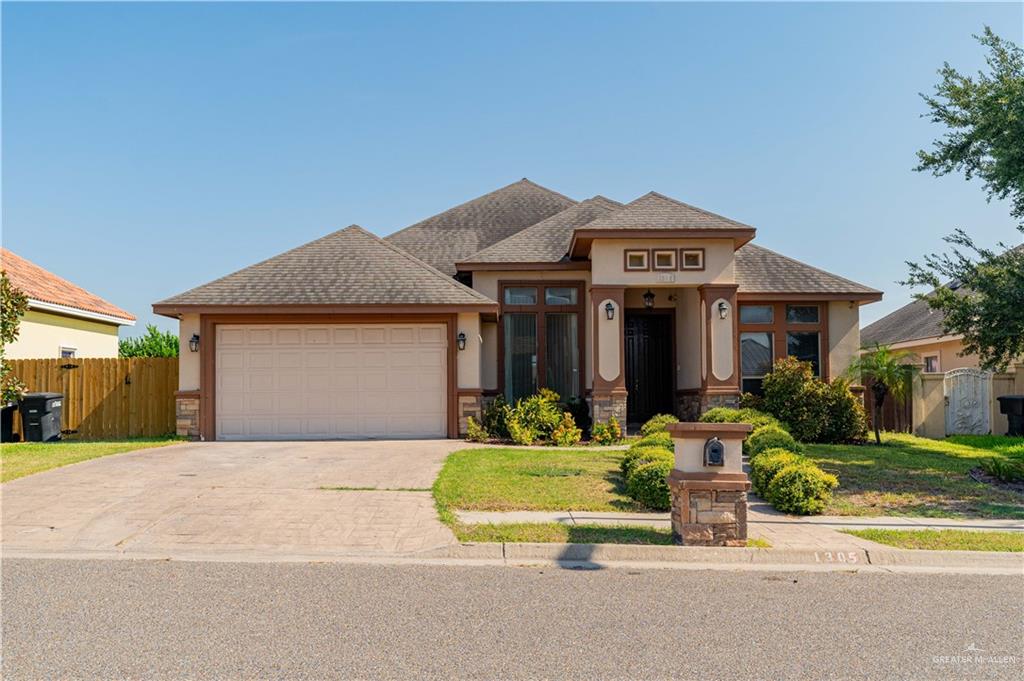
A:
888,372
14,305
980,291
155,343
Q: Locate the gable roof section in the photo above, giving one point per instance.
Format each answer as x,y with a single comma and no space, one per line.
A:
914,321
458,233
548,240
761,271
43,286
347,267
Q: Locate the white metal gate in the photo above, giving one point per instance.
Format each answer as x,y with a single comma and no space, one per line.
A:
968,395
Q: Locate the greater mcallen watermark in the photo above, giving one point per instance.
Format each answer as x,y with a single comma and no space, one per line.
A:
972,655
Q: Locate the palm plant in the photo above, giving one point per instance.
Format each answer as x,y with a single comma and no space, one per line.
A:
888,371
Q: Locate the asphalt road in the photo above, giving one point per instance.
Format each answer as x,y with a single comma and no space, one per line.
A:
120,619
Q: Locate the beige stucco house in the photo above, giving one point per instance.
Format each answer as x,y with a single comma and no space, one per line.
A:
918,329
63,319
645,307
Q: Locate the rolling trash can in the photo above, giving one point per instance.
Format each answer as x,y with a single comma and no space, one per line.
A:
1013,407
40,416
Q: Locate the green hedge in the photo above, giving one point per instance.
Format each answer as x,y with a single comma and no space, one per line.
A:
637,456
801,488
766,465
769,437
661,439
729,415
648,484
657,423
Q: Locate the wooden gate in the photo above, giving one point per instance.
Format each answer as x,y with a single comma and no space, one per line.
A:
968,397
105,398
897,415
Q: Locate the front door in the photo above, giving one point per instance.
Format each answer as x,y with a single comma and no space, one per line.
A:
649,366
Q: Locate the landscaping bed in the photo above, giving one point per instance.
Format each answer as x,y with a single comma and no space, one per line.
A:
19,459
944,540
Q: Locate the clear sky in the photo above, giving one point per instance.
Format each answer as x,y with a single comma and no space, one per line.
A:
149,148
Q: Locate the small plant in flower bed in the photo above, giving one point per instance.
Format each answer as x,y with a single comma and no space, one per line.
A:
566,434
767,465
657,424
475,432
769,437
606,433
638,456
1005,470
801,488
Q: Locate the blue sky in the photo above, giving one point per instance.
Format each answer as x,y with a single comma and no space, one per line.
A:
148,148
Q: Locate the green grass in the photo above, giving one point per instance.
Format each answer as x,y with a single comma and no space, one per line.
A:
25,458
532,480
945,540
342,488
912,476
559,533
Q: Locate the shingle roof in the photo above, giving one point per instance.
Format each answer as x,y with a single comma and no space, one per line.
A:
46,287
548,240
657,211
348,267
911,322
759,270
458,233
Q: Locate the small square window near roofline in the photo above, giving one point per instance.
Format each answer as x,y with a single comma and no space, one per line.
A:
637,260
664,259
931,364
691,259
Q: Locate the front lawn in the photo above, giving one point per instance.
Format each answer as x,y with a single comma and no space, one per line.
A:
25,458
532,480
561,534
944,540
912,476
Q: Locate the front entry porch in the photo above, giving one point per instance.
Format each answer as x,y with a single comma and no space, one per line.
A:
650,364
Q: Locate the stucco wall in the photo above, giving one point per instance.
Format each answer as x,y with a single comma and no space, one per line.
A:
607,256
468,360
188,361
42,334
688,338
949,355
843,335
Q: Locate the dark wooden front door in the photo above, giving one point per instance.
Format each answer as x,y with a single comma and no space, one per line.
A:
649,365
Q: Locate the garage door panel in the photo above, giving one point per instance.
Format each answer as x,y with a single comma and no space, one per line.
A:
331,381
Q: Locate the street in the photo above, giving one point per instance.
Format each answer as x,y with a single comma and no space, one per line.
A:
159,619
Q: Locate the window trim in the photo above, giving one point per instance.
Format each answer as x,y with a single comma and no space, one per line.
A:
541,309
779,327
938,363
645,252
67,348
744,376
655,252
683,252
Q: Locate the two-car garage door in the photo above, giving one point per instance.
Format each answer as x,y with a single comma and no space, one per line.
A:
313,381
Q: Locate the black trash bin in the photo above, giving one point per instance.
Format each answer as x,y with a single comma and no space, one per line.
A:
7,422
40,416
1013,407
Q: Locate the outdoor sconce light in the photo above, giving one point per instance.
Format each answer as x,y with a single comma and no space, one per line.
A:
649,299
609,310
461,340
723,310
193,343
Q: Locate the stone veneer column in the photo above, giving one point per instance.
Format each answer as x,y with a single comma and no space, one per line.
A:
470,404
608,397
186,413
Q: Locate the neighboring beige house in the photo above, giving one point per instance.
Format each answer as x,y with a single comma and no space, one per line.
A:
63,320
918,328
652,306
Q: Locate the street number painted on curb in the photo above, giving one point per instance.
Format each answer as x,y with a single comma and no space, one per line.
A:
835,557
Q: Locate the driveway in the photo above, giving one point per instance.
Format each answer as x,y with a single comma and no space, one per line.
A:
246,500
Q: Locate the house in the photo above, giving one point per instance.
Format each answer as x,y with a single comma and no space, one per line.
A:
63,320
638,308
918,328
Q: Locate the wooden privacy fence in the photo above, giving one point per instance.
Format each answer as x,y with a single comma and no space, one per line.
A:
106,398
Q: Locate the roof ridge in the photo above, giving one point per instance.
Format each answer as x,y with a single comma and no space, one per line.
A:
480,198
801,262
705,211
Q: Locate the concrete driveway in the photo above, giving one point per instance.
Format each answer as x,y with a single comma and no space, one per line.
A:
252,500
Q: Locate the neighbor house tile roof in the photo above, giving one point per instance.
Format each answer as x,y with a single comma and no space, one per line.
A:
548,240
657,211
348,267
911,322
759,270
46,287
458,233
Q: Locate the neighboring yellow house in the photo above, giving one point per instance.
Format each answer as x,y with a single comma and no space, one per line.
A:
917,328
63,320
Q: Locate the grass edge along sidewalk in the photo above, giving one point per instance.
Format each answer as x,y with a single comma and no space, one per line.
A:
19,459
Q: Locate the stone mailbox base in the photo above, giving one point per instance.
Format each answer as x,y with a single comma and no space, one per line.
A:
709,509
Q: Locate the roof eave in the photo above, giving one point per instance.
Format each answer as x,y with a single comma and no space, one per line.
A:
574,265
862,297
69,311
175,310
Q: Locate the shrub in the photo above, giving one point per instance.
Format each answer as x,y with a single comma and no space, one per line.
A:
1006,470
637,456
813,410
648,484
475,432
746,415
769,437
767,465
577,406
521,433
656,440
494,416
155,343
548,395
657,423
566,434
607,433
801,488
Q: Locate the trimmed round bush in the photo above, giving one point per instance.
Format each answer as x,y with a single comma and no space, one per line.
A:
637,456
767,465
729,415
661,439
769,437
801,488
648,484
657,423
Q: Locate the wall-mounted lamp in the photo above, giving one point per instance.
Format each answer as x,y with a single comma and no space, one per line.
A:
193,343
609,310
649,299
723,309
461,340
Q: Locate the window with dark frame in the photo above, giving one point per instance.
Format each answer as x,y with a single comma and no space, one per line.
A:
777,330
691,258
664,260
931,364
637,260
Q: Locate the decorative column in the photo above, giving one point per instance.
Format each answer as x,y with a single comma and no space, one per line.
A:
720,346
707,484
608,397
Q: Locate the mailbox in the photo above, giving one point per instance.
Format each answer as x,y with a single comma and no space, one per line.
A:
714,452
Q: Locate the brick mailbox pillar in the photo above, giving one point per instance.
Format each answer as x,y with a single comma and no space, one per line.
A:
708,485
